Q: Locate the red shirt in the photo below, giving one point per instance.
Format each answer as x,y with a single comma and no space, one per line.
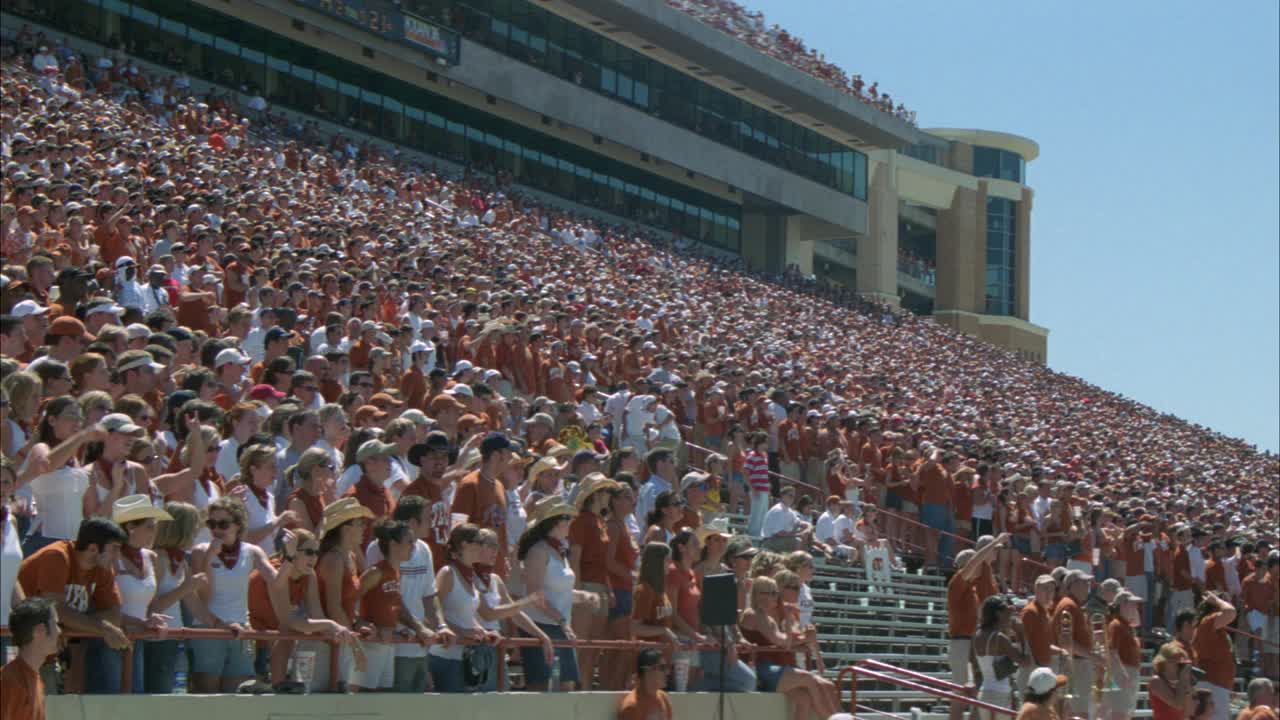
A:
22,692
685,595
587,531
375,497
484,502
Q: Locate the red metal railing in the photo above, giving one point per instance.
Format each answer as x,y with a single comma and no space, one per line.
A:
502,645
934,687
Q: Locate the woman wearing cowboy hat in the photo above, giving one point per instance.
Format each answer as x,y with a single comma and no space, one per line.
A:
588,558
338,579
136,578
544,550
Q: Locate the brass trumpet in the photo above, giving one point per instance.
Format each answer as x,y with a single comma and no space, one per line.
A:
1103,681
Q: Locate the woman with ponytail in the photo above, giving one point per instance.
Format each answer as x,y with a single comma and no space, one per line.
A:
176,585
496,605
456,587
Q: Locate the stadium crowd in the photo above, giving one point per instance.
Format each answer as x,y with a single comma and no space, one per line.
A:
750,27
251,382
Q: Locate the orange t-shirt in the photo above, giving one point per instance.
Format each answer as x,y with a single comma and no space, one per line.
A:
1214,653
1036,623
625,555
22,692
651,608
1081,631
438,515
635,706
485,504
1215,576
986,584
374,497
1261,712
962,607
1121,640
588,532
935,485
350,589
381,605
53,570
1257,593
262,616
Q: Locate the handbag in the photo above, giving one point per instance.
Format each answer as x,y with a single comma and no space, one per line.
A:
477,663
1004,667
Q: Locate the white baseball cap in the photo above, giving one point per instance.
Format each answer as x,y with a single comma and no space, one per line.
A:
229,355
1043,679
28,308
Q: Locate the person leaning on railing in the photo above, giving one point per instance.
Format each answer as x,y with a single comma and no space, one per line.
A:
77,576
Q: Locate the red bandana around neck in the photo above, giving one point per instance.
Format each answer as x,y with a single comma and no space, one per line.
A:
467,573
230,555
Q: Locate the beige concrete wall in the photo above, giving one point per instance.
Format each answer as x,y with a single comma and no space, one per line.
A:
802,234
1022,255
878,249
561,706
961,252
1030,341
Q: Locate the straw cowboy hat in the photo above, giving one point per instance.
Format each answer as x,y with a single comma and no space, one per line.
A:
592,484
550,508
136,507
719,526
343,510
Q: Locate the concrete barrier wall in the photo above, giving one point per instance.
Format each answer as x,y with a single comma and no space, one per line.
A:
507,706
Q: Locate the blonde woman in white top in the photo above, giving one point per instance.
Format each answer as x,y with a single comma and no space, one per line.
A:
176,587
136,578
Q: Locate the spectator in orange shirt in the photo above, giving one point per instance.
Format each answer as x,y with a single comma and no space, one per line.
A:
1125,656
588,557
77,577
647,701
34,626
1214,651
936,497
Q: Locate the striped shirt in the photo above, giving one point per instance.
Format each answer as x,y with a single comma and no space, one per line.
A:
756,466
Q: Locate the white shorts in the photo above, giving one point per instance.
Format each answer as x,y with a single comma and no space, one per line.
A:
958,658
380,667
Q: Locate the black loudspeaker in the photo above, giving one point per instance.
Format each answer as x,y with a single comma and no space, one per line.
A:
719,600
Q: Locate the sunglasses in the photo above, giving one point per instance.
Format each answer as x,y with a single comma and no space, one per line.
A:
310,552
220,524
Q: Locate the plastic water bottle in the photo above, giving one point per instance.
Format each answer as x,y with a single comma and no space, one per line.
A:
180,673
682,661
553,685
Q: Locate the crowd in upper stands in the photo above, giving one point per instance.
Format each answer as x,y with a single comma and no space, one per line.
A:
750,27
330,389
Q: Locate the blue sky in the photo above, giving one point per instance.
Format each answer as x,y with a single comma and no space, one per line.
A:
1155,230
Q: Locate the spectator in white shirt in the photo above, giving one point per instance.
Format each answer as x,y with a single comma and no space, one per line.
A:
784,530
44,61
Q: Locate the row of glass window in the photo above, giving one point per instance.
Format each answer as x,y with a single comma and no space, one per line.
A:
543,39
996,163
1001,275
300,77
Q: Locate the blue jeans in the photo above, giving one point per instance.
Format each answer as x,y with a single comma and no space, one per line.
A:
738,676
446,675
536,669
162,658
1148,607
938,517
104,668
759,508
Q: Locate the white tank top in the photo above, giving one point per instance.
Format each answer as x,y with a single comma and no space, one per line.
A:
136,592
10,559
492,599
987,663
260,517
59,497
557,585
460,607
230,599
200,499
168,581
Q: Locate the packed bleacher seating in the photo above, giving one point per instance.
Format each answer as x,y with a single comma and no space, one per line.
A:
310,385
750,27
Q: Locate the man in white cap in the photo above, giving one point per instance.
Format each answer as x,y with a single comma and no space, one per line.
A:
1070,610
229,366
35,322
